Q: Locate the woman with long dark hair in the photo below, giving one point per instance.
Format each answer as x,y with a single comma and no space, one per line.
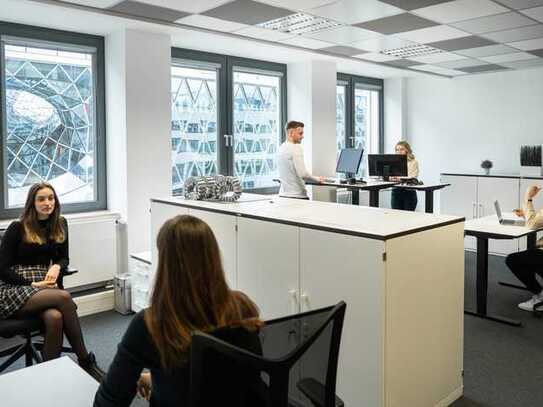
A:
33,252
190,294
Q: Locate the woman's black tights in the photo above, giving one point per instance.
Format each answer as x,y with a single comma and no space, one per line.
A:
58,312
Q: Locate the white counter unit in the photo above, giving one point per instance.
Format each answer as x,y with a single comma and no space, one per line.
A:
401,274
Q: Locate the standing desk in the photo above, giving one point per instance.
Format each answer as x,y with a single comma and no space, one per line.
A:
56,383
428,193
484,229
372,187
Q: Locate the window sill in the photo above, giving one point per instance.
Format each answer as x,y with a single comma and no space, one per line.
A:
76,218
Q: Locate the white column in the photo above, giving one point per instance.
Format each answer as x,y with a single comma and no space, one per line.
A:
138,128
395,101
312,100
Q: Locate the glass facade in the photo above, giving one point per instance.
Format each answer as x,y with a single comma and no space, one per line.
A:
194,124
340,117
257,130
50,122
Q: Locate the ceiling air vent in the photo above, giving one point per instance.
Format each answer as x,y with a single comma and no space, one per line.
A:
411,51
299,23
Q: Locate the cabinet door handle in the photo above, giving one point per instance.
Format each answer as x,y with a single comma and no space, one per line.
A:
294,295
304,298
482,210
473,210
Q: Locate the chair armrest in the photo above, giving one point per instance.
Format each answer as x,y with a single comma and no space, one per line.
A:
68,271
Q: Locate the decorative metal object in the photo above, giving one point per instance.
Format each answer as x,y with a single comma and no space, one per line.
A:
214,188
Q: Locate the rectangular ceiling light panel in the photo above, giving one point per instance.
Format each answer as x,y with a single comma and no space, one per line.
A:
299,23
411,51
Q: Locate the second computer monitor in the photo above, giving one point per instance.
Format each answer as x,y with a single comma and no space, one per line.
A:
387,165
349,161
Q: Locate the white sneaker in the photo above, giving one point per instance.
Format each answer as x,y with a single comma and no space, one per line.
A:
529,305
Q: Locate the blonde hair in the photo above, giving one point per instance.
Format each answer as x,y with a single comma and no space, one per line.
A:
405,144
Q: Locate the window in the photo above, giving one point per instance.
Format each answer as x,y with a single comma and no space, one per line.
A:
53,117
227,116
360,114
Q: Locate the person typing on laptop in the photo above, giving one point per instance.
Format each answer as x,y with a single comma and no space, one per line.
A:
526,264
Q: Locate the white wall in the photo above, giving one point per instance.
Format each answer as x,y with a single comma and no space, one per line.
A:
139,120
454,124
312,99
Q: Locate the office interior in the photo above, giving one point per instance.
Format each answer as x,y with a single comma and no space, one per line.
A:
160,90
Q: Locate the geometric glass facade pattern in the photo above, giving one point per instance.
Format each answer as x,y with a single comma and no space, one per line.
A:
50,122
194,124
366,122
340,117
257,130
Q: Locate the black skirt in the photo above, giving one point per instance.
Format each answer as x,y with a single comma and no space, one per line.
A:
13,297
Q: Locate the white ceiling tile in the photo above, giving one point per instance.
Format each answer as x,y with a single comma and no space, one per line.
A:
521,4
95,3
487,51
517,56
528,45
432,34
376,57
311,43
460,10
211,23
302,5
356,11
516,34
343,35
437,69
189,6
536,12
461,63
529,63
263,34
497,22
439,57
381,43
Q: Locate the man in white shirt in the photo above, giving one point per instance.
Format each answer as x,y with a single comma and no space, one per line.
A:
527,264
291,165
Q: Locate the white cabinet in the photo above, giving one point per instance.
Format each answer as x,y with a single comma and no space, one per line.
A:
224,229
460,199
268,260
538,202
474,196
335,267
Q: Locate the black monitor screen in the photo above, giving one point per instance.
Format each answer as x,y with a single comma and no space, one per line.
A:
384,165
349,160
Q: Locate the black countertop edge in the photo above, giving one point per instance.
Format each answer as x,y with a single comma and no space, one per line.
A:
315,227
496,236
490,175
135,256
421,188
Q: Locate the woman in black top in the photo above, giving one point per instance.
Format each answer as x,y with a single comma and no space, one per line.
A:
33,252
190,294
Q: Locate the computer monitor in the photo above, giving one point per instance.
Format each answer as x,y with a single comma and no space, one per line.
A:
349,162
387,165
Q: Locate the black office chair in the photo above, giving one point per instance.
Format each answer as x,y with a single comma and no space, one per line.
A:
21,331
298,366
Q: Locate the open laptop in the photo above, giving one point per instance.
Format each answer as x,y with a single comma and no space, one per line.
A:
507,222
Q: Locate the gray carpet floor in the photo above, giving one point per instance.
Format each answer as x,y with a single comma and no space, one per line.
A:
503,365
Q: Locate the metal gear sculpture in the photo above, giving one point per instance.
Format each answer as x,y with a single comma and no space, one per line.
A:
216,188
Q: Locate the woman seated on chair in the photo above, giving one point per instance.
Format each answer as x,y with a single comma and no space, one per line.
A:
33,252
190,294
527,264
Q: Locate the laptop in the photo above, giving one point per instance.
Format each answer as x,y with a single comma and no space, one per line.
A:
506,222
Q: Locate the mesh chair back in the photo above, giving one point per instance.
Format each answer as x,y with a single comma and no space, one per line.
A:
297,367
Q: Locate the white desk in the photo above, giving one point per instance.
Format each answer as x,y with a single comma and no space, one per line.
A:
57,383
402,342
484,229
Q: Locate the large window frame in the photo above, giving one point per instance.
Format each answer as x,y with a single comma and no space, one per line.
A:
351,82
225,100
36,35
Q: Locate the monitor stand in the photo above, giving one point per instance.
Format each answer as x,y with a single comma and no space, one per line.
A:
351,178
386,173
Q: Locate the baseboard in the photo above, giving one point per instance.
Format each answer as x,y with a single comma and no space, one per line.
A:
94,303
451,398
